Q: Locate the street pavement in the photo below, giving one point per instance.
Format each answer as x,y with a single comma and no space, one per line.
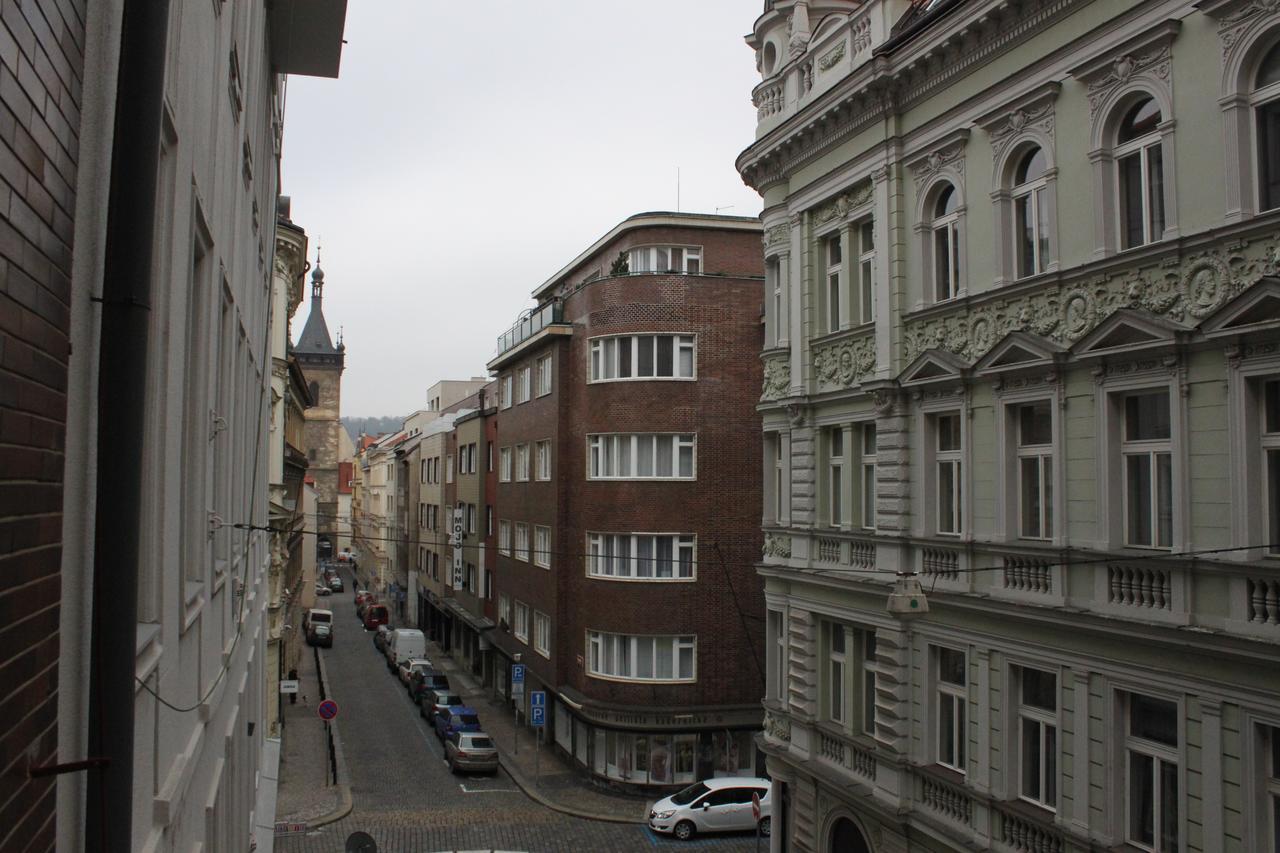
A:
405,797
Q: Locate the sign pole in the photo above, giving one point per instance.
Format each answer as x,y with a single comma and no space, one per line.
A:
537,760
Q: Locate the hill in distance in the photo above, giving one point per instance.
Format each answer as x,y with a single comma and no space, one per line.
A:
371,426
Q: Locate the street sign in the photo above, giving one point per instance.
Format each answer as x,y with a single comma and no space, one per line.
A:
287,686
538,699
517,673
328,709
458,525
538,715
755,807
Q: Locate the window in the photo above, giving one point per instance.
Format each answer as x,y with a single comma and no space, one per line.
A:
544,376
836,640
507,391
504,465
641,556
448,468
777,656
504,608
952,684
1271,461
471,518
1270,818
835,476
833,283
650,259
525,389
488,451
542,633
471,457
947,453
1035,470
1031,214
867,272
542,546
780,483
946,244
522,462
1140,171
488,520
642,456
1266,98
544,460
522,541
868,434
521,626
422,515
642,357
870,669
1151,773
1147,459
776,308
640,658
1037,734
504,537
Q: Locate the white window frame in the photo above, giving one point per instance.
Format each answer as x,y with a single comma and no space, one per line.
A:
616,451
522,543
645,260
777,477
948,224
1159,753
958,696
868,459
616,556
544,376
1035,193
953,459
836,440
1044,719
544,459
1044,456
866,228
521,626
525,388
448,468
1141,148
504,537
604,360
836,703
1269,445
504,608
1152,450
522,463
833,299
777,657
504,465
616,657
542,546
507,391
542,633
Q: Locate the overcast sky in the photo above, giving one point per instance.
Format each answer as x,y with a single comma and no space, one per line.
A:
464,156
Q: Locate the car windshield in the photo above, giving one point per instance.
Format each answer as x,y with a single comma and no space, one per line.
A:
480,743
418,667
378,611
467,719
689,794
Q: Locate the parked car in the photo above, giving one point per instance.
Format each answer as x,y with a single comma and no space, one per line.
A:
362,604
380,638
472,751
405,643
335,582
713,805
320,634
408,666
316,614
374,615
421,682
322,590
434,702
362,595
462,718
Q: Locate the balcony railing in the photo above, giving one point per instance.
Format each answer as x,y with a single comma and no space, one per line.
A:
530,323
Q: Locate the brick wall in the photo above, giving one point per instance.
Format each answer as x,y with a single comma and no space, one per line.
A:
41,64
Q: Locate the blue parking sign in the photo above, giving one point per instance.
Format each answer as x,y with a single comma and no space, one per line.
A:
538,715
538,699
517,673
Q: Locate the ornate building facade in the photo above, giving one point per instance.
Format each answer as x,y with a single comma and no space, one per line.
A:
1022,313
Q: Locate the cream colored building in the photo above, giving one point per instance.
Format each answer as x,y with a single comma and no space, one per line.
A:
1022,368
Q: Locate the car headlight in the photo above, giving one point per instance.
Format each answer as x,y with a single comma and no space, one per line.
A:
665,815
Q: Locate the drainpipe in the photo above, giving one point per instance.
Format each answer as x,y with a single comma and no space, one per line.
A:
122,383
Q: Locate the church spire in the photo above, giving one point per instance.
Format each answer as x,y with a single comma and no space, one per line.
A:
314,343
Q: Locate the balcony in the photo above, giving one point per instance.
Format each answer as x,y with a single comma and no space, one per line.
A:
548,318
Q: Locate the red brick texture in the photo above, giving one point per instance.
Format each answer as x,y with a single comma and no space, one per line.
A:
41,69
722,506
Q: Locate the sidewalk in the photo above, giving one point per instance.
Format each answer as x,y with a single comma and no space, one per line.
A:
541,773
306,794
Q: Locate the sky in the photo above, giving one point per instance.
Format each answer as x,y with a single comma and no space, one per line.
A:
463,157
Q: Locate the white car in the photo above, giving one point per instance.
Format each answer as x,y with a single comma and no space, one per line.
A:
715,805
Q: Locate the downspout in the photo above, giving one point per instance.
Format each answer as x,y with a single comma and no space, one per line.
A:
122,384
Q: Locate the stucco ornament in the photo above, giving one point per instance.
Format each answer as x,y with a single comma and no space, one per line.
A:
778,235
839,207
1233,26
777,378
832,57
844,364
777,546
1153,63
1185,290
777,727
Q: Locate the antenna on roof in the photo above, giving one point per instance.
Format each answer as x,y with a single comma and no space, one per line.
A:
677,189
723,207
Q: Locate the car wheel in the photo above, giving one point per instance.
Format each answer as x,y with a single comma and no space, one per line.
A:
764,826
684,830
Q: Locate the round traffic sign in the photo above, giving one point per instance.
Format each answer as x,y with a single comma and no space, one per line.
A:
328,709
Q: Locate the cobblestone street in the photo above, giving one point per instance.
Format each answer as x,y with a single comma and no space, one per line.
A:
405,797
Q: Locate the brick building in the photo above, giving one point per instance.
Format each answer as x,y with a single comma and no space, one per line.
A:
626,521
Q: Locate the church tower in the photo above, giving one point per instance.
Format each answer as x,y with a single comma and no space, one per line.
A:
322,364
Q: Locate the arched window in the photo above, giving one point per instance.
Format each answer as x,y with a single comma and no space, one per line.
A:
1139,159
314,388
1031,213
1266,101
847,838
946,244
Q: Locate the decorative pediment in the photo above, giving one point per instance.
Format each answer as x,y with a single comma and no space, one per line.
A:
1256,309
1145,57
933,365
945,155
1031,112
1128,330
1019,350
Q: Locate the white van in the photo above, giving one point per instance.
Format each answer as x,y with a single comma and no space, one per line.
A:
405,643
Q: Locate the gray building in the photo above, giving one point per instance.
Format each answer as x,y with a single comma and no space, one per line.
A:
1022,423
